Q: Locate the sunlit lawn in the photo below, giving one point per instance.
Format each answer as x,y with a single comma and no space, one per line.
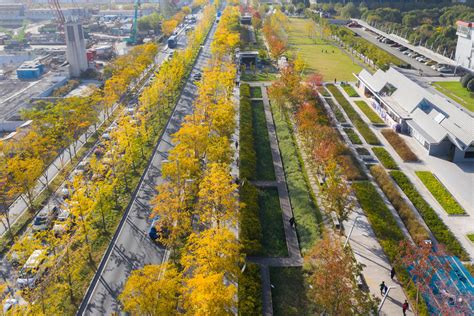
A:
320,56
455,91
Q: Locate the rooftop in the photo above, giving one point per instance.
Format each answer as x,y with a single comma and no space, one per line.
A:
433,112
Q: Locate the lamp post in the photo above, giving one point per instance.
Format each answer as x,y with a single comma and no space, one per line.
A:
384,298
352,229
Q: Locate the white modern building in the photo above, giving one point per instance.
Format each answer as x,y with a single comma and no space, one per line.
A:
465,45
75,48
443,127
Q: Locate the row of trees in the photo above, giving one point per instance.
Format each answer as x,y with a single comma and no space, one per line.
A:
198,204
275,28
58,125
102,192
168,26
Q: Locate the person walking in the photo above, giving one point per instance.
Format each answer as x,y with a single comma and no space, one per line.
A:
383,288
405,308
292,222
392,273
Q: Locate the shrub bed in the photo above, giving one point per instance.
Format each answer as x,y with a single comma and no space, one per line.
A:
250,291
371,115
353,137
434,223
265,170
256,92
304,209
440,193
399,145
271,219
388,234
385,159
350,90
415,228
337,113
363,129
352,168
250,230
362,151
247,154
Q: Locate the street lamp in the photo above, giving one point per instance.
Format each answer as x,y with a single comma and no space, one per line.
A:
383,299
352,229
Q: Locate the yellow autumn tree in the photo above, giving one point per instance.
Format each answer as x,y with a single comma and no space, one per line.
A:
152,290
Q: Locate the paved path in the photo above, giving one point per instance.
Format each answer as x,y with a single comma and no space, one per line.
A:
131,247
365,246
294,258
457,177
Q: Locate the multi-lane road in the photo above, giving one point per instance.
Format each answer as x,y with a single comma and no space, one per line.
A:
131,248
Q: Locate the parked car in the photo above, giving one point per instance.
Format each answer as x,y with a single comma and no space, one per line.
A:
446,70
45,217
154,233
408,51
430,62
62,224
402,48
197,76
31,270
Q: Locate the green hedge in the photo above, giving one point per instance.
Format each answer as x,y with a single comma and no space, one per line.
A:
304,209
353,137
350,90
388,234
247,154
250,291
250,234
371,115
440,193
385,159
363,129
256,92
435,224
415,228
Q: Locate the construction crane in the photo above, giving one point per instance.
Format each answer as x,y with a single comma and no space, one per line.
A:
133,38
56,7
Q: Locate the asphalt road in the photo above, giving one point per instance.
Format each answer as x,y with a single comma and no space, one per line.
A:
133,249
427,71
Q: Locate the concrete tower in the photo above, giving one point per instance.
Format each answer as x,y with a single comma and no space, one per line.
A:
76,48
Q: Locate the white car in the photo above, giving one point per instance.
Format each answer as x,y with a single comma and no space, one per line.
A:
31,270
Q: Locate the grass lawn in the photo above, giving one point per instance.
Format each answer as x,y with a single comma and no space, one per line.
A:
371,115
258,77
289,293
440,193
320,56
274,241
350,90
255,92
455,91
265,169
470,237
353,137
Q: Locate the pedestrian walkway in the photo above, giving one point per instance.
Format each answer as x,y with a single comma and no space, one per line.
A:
294,258
458,178
365,246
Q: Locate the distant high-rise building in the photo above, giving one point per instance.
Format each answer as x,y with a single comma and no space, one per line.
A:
465,46
76,48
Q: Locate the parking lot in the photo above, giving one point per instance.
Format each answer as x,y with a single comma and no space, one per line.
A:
425,63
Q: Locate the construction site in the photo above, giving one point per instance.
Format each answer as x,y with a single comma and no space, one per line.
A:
52,46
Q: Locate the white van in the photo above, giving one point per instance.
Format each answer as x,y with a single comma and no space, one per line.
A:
31,270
